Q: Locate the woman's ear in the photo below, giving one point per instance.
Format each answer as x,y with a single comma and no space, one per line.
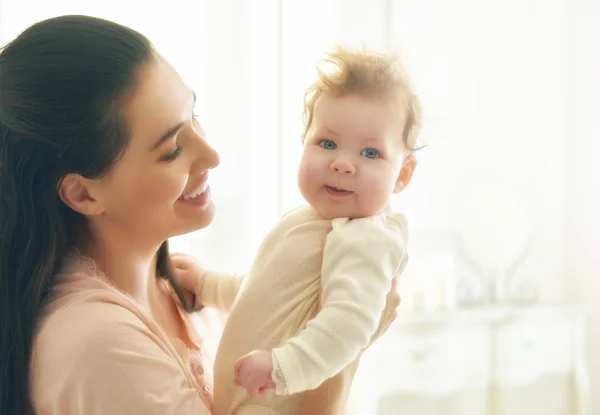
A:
406,173
77,193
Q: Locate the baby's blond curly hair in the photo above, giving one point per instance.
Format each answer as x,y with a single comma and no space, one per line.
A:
344,72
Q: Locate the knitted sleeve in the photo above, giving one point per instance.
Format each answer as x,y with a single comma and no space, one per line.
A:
218,290
360,259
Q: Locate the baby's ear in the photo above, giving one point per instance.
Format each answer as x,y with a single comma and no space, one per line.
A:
406,173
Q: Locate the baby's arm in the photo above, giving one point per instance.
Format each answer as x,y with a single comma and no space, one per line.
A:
360,260
218,290
210,288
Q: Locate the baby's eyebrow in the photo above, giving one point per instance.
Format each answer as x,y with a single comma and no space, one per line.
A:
372,139
328,131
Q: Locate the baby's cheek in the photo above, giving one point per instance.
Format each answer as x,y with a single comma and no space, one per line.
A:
309,176
377,191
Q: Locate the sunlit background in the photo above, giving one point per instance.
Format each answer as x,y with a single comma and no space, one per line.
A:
498,313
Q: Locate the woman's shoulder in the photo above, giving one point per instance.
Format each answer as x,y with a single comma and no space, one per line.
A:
74,335
83,306
78,328
82,317
95,351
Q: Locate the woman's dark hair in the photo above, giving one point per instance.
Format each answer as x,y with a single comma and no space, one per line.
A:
62,82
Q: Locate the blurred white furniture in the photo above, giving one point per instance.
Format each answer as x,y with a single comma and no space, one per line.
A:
476,362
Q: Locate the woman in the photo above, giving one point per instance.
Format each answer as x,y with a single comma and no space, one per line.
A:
101,161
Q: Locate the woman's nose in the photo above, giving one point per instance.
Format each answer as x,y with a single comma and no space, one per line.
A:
206,157
212,157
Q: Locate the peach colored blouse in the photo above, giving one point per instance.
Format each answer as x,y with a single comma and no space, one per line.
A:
96,351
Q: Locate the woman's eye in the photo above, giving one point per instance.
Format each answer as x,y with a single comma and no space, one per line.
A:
370,153
172,156
328,145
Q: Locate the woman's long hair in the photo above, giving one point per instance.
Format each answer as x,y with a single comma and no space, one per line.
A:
61,84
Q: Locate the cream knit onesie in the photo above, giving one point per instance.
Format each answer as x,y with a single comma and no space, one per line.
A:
314,304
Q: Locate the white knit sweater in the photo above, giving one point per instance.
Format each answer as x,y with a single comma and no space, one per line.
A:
314,304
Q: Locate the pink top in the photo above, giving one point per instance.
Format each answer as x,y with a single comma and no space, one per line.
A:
98,352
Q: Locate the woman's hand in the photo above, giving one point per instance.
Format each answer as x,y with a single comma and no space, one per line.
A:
189,275
330,398
390,312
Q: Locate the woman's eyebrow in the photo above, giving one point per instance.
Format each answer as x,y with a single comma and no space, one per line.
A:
174,130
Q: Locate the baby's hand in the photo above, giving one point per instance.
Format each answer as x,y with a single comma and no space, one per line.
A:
189,273
253,372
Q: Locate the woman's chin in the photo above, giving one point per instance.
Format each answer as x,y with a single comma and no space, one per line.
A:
198,221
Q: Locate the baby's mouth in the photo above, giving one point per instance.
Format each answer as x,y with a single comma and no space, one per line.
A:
337,191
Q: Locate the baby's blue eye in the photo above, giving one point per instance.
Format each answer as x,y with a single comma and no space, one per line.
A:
328,145
370,153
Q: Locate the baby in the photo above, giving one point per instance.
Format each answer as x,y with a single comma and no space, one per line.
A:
316,290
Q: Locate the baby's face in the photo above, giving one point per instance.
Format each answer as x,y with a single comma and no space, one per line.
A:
353,157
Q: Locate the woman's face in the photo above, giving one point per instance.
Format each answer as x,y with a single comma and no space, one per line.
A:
159,188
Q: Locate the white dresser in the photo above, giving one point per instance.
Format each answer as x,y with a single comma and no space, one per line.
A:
476,362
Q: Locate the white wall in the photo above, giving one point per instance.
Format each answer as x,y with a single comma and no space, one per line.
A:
493,87
582,147
492,79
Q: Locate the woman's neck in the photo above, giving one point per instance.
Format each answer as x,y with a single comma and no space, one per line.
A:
132,271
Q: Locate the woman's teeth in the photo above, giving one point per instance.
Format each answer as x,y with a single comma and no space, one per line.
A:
196,192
